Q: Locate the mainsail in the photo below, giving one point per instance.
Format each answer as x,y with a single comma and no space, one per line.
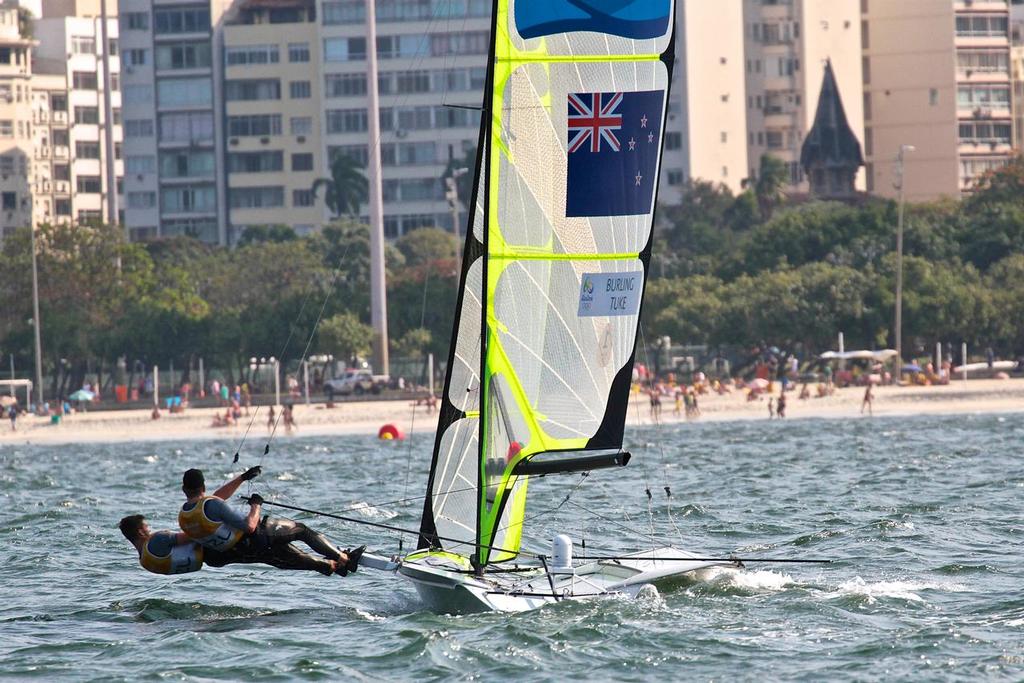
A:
556,257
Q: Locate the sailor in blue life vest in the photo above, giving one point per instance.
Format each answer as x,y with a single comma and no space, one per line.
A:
212,524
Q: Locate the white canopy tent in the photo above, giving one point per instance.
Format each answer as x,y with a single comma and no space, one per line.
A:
881,355
14,383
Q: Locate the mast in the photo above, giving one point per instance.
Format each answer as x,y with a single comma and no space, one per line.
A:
35,319
378,290
108,120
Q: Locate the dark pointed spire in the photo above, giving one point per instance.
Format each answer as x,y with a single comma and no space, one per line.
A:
831,153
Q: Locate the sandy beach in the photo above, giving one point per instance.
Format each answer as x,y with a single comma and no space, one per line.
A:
366,417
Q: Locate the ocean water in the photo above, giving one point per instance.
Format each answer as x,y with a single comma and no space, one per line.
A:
922,515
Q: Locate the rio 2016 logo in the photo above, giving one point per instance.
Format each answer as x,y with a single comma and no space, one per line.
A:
588,285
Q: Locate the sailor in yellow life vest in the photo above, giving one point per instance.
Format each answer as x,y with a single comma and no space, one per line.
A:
212,524
162,552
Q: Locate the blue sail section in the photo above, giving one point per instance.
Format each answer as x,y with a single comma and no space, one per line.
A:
634,19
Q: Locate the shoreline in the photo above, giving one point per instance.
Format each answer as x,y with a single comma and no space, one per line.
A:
355,418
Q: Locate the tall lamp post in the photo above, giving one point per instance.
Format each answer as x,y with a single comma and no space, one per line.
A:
904,149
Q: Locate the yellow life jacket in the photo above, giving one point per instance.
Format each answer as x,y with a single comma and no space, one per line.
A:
182,559
206,532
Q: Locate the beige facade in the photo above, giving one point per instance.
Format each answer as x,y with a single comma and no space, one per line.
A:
787,43
937,77
705,134
16,149
271,71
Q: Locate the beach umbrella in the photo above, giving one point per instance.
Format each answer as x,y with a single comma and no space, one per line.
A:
82,395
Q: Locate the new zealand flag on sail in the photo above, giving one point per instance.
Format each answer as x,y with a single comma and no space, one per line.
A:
636,19
613,143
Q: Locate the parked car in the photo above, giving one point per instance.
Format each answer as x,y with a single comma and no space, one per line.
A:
354,381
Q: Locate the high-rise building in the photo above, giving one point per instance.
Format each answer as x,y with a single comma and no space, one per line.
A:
272,101
175,179
73,174
705,134
16,148
937,77
1017,72
787,43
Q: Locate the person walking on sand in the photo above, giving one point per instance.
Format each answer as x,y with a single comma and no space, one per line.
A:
12,413
270,419
780,410
289,418
868,401
771,407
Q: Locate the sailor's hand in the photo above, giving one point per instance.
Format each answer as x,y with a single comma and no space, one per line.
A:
255,499
252,473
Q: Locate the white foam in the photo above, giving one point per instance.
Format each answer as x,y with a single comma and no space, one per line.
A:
371,512
286,476
900,590
756,579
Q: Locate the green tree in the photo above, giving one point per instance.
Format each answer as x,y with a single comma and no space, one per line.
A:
427,246
344,336
769,184
347,188
414,343
267,233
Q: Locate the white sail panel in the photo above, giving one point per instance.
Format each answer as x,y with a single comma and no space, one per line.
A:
464,388
454,494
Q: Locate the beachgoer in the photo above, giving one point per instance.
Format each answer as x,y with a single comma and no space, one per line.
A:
868,401
655,405
805,392
771,407
12,413
210,522
270,419
288,415
224,392
780,410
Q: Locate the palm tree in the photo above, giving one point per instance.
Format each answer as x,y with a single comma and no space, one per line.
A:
769,184
346,189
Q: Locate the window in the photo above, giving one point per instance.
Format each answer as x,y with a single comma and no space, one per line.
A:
984,132
84,80
404,46
344,49
62,207
115,81
145,163
413,81
298,52
181,20
137,128
87,150
195,55
725,136
346,120
60,136
933,96
344,12
773,139
10,201
194,127
674,177
256,124
300,125
186,163
184,92
61,172
300,90
89,184
255,162
189,199
357,153
137,94
345,85
302,198
58,102
137,21
982,25
983,97
983,61
141,200
135,57
252,54
83,45
87,115
467,43
252,89
113,46
257,197
302,162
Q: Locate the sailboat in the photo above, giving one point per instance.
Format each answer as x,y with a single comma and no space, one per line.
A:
553,274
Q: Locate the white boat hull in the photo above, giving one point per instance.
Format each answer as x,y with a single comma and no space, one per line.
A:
447,585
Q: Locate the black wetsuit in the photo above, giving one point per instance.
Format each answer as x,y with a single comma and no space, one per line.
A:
271,544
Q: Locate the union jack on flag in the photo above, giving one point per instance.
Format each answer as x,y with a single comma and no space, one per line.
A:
613,141
592,117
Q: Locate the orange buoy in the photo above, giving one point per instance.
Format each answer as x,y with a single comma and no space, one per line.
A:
389,432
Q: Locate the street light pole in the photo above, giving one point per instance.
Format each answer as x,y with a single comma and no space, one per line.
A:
378,288
904,149
35,319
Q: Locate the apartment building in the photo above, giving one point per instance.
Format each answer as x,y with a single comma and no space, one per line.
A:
16,149
72,176
786,46
936,76
1017,72
175,175
272,100
705,132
